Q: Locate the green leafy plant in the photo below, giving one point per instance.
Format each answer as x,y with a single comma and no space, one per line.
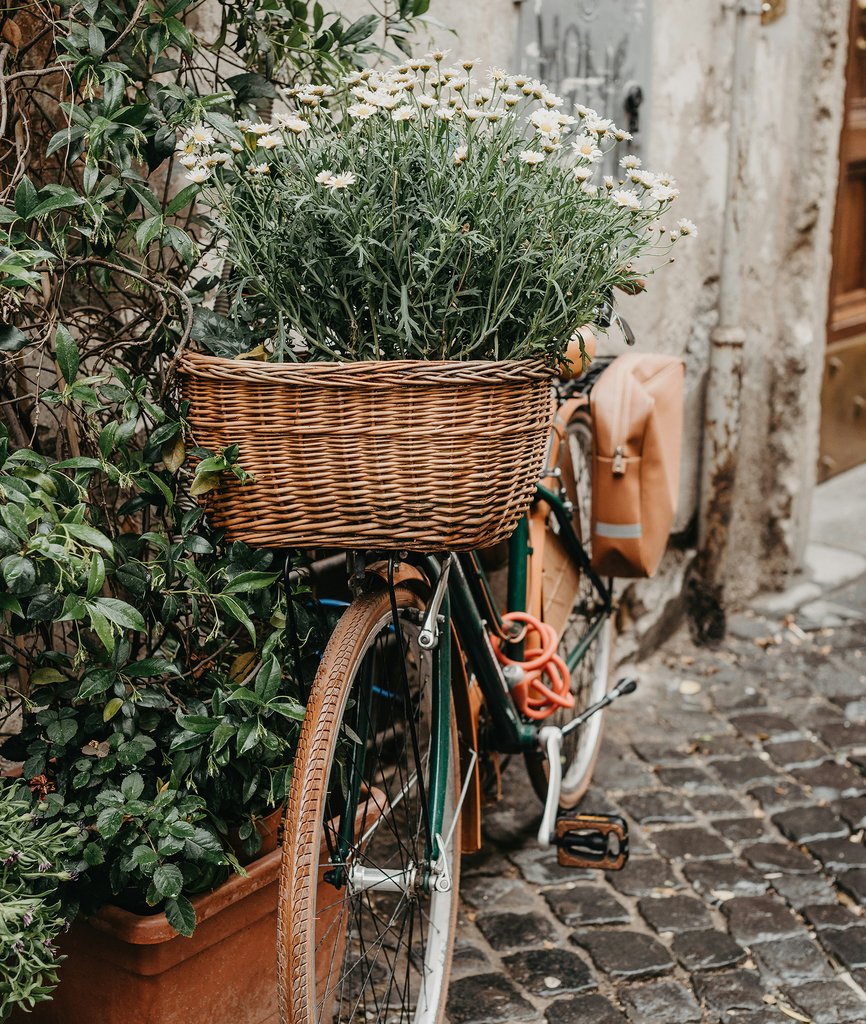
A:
33,852
428,213
145,657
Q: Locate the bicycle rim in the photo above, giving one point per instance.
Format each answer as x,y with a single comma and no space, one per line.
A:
351,950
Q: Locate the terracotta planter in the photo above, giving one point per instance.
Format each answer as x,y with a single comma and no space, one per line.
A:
128,969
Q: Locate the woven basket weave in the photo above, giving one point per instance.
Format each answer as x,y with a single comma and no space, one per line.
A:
423,456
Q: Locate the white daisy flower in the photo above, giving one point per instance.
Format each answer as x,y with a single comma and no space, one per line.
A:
590,189
188,160
582,173
531,157
343,180
646,179
468,65
459,84
664,193
621,135
674,235
236,147
296,125
510,99
384,100
261,128
261,168
687,227
362,111
484,95
519,80
243,124
445,113
551,100
584,112
666,179
630,163
218,160
586,148
545,122
460,154
200,135
628,200
566,120
269,141
323,177
495,74
199,174
404,114
599,126
309,101
608,182
426,102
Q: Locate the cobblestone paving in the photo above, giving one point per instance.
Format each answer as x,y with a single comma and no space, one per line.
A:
742,773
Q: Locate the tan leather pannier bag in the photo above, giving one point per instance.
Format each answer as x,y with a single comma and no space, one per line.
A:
637,417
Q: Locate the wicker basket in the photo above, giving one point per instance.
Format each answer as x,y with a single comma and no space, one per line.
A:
422,456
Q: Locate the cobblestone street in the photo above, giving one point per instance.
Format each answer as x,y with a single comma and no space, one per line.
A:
742,773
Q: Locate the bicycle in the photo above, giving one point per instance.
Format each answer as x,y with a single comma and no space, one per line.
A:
423,678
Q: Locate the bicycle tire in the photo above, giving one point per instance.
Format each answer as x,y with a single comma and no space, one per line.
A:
591,678
363,642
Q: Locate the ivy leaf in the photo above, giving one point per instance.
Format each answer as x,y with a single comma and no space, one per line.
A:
96,576
25,198
19,574
95,683
68,358
173,453
102,628
120,613
203,483
111,708
181,915
132,786
246,581
235,610
168,881
90,536
109,821
143,857
11,339
151,667
45,676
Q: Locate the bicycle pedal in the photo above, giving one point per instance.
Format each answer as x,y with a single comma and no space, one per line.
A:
598,841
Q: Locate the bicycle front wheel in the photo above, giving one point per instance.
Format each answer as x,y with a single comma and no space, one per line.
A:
574,609
367,911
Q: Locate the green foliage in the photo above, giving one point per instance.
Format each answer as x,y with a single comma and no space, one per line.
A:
147,655
33,850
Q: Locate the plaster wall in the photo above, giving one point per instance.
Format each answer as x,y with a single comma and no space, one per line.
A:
789,187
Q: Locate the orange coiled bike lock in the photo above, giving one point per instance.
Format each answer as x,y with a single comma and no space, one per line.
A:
544,683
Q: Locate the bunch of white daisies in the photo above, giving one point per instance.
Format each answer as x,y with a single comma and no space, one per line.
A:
331,208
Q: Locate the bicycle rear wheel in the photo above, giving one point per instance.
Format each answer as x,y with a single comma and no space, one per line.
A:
366,933
571,605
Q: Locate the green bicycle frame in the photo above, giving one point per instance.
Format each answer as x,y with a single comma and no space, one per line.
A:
468,591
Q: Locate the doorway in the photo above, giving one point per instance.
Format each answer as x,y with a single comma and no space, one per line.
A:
843,395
